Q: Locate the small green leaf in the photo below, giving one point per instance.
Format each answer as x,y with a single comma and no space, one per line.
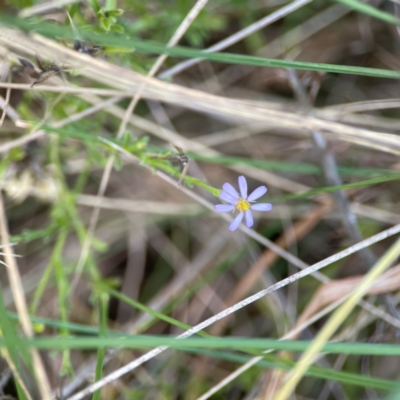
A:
113,283
105,24
117,50
99,245
95,5
126,140
115,13
73,9
118,163
117,29
371,11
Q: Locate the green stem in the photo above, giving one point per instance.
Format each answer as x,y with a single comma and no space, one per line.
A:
103,311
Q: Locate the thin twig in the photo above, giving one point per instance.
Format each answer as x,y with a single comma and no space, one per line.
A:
336,319
289,335
137,206
43,7
238,36
67,89
15,373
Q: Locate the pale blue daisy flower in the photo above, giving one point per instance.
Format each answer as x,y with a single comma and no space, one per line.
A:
241,202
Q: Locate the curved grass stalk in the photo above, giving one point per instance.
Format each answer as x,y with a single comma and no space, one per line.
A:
336,320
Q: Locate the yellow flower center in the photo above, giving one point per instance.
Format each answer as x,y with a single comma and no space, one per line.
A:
242,204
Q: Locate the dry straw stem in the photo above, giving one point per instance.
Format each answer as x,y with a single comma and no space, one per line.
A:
264,176
300,229
331,291
170,136
260,175
258,237
336,320
186,278
276,249
294,332
285,42
15,373
20,303
215,250
328,293
207,204
199,5
10,111
360,106
43,7
238,36
67,89
173,137
137,206
232,110
5,106
289,335
153,353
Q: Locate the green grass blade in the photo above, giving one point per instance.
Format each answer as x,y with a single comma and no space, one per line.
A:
329,189
298,168
135,304
150,47
16,347
103,311
274,362
69,326
147,341
371,11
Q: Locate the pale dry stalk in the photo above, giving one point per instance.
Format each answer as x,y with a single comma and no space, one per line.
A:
20,303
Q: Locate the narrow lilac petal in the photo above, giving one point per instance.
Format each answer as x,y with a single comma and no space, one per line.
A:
227,197
236,222
260,191
261,207
222,208
231,190
249,219
243,186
